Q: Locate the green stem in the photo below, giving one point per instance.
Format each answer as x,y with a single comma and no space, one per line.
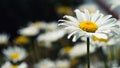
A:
88,53
104,58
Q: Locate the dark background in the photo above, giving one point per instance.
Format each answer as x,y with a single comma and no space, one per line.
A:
16,13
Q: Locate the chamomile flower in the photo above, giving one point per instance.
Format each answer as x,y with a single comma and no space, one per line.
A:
46,63
64,10
15,53
114,3
21,40
80,49
9,65
104,42
87,24
4,38
65,50
38,24
91,7
62,64
52,36
51,26
28,31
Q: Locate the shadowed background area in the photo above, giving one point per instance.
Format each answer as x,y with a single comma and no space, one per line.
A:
15,13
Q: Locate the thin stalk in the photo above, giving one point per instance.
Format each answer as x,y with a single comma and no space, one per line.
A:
88,53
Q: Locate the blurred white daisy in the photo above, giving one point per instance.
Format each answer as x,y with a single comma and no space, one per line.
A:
15,53
80,49
51,26
91,7
114,3
52,36
46,63
104,42
62,64
65,50
87,24
38,24
9,65
28,31
4,38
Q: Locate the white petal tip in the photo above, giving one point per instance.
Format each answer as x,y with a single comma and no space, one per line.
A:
76,10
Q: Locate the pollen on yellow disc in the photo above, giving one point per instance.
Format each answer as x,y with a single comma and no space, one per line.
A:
88,26
14,56
14,66
21,40
67,49
94,38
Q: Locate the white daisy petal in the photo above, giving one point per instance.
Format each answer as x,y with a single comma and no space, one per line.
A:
72,34
87,14
71,18
69,22
101,35
81,16
96,16
101,21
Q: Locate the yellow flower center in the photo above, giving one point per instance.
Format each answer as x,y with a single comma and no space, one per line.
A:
21,40
88,26
14,56
64,10
14,66
94,38
67,49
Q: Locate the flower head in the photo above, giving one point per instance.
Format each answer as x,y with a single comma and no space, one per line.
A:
9,65
80,49
15,53
62,64
90,6
65,50
52,36
4,38
46,63
21,40
87,24
28,31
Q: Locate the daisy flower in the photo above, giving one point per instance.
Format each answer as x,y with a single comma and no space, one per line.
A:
104,42
114,3
21,40
62,64
4,38
80,49
64,10
90,6
38,24
28,31
87,24
52,36
65,50
15,53
9,65
51,26
46,63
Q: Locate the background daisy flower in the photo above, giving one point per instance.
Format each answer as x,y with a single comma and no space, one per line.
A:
62,64
9,65
15,53
4,38
28,31
87,24
80,49
46,63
